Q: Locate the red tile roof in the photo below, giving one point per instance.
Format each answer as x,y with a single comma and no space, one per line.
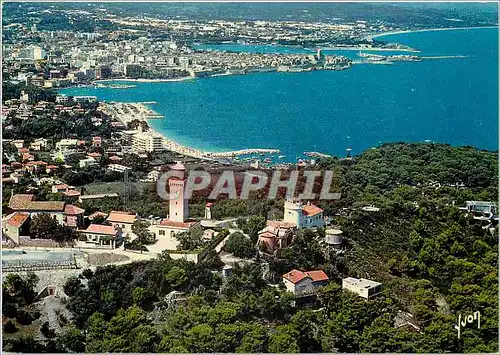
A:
20,201
311,210
295,276
36,163
73,210
121,217
18,219
53,206
169,223
317,275
100,229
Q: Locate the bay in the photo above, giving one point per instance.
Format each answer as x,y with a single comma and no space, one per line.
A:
452,101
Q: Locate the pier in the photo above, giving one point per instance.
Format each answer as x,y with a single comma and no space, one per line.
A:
317,155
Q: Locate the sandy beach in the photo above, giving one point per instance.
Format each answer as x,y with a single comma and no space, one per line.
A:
369,37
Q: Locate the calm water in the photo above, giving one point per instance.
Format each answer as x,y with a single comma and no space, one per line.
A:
452,101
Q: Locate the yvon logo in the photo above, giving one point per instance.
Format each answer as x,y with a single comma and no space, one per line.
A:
469,319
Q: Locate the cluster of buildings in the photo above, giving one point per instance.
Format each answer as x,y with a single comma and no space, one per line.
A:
71,58
258,31
279,234
16,225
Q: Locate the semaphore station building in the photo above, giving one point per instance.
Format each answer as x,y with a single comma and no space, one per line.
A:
278,234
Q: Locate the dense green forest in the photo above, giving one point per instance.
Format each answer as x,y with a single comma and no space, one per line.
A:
433,260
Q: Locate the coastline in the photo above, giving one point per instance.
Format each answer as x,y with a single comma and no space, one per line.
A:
147,80
146,113
369,37
187,150
358,48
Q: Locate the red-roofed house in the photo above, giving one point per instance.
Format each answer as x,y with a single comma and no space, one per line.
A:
20,201
299,282
35,166
15,225
122,219
100,235
277,234
26,203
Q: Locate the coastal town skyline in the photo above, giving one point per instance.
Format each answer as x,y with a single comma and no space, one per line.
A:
190,177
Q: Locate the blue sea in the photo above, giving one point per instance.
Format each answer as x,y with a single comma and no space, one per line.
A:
452,101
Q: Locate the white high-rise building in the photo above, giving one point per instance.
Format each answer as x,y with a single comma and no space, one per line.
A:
146,142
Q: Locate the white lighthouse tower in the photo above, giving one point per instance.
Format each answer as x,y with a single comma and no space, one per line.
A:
293,212
178,205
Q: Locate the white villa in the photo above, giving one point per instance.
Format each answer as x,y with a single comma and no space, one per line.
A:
303,216
362,287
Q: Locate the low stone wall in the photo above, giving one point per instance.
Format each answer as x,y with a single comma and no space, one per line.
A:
43,243
194,257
